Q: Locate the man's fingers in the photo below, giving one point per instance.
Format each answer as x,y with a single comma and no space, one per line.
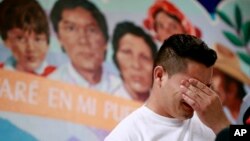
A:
192,92
195,93
200,86
190,102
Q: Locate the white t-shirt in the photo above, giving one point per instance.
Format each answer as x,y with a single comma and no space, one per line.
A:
145,125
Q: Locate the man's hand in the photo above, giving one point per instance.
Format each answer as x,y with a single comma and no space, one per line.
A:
205,102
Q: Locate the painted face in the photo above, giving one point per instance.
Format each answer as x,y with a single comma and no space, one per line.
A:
135,62
28,48
218,84
166,26
82,39
171,99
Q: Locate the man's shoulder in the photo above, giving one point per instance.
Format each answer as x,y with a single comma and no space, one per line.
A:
132,118
127,129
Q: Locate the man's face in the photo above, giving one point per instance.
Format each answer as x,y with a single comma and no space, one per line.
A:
82,39
28,48
171,96
135,61
166,26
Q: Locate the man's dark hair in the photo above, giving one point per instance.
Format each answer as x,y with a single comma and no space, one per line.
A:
61,5
124,28
27,15
177,49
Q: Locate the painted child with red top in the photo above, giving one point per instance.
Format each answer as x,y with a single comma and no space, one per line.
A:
25,32
165,19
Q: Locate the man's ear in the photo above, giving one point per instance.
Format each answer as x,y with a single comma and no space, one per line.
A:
158,75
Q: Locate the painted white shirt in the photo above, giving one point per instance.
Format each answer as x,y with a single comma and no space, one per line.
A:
67,73
120,91
243,108
9,64
145,125
229,115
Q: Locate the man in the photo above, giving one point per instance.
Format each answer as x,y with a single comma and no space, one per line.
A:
181,105
228,81
82,31
24,29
